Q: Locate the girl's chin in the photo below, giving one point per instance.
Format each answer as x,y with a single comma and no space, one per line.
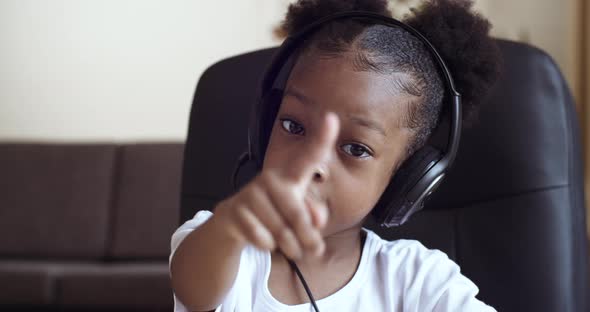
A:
331,229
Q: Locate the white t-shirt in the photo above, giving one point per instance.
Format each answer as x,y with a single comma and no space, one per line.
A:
400,275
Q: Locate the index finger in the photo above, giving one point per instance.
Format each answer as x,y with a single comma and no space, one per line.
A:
318,151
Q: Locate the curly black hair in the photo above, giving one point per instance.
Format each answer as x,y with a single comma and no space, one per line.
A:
460,35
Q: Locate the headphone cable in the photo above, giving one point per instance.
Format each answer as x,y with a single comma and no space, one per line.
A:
294,267
244,158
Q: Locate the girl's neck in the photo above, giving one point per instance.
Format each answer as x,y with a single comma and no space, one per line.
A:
342,245
325,275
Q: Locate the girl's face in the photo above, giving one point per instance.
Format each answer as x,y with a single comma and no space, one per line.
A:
370,143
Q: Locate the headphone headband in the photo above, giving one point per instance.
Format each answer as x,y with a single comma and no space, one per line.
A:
294,40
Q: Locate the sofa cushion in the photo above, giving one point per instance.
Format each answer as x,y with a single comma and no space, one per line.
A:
55,199
30,283
86,284
132,286
147,200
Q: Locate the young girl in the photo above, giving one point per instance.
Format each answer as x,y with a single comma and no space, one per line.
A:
359,100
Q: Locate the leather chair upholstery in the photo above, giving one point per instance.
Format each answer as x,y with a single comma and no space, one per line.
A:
511,212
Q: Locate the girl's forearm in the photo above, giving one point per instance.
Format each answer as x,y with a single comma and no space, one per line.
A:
205,264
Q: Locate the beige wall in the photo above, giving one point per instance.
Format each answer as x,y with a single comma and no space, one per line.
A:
115,69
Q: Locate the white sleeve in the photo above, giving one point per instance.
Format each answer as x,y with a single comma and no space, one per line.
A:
179,235
452,290
239,294
437,284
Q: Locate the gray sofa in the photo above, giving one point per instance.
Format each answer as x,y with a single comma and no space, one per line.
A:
87,226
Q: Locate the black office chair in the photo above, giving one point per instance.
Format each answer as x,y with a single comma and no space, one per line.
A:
511,212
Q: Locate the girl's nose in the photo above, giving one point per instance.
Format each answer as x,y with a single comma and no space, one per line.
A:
320,174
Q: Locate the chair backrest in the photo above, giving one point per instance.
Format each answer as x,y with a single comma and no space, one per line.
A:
511,212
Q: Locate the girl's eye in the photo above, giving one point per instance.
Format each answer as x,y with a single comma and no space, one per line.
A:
356,150
292,126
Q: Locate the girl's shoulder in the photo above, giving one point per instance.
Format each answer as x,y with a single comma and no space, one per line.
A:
187,227
406,253
427,279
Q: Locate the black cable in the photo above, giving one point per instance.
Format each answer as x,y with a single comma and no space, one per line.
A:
244,158
294,267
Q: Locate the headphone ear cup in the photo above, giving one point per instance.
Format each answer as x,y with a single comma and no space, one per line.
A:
394,199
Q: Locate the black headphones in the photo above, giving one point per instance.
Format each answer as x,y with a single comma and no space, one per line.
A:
416,178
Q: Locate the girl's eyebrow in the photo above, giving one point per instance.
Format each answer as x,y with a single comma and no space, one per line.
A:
363,122
298,95
367,123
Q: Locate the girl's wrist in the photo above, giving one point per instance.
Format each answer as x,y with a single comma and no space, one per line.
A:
226,229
